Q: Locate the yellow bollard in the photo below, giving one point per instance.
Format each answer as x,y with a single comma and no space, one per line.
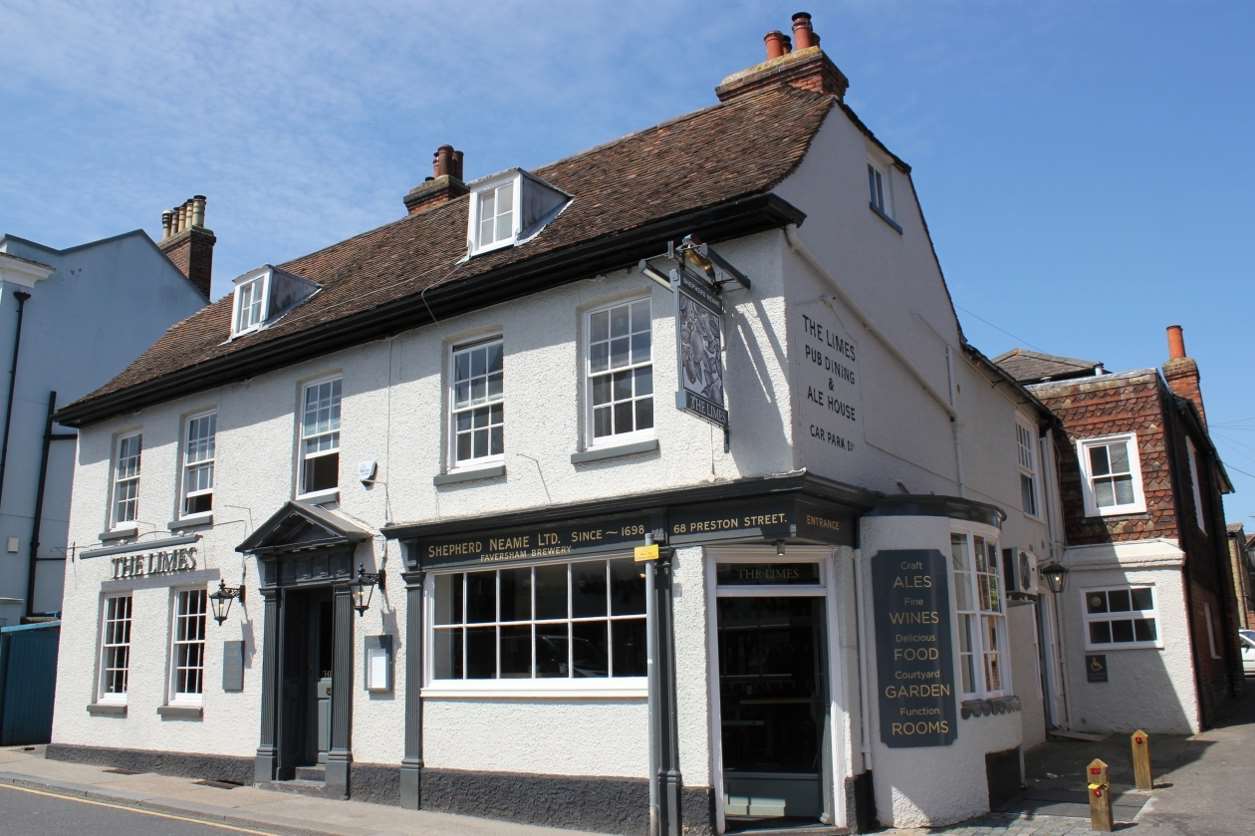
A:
1140,742
1099,790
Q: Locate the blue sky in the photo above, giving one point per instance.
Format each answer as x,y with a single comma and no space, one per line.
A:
1087,168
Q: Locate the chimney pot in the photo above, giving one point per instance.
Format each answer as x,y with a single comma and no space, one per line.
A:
443,160
444,185
803,33
457,164
1176,342
774,42
198,210
167,220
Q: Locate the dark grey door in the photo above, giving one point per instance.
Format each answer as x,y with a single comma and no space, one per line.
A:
305,661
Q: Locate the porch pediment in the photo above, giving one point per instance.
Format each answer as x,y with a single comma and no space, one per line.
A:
300,527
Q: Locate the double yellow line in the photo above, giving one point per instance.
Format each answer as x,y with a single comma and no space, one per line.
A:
77,800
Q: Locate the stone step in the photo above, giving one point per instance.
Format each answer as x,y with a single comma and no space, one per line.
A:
314,789
311,773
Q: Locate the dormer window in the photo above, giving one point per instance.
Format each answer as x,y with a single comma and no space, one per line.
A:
264,295
510,208
250,304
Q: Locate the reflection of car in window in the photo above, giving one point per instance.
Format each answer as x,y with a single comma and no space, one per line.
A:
1246,638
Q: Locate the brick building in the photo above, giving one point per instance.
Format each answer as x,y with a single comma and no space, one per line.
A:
1242,565
1149,615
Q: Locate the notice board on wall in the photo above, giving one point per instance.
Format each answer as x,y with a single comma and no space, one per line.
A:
914,651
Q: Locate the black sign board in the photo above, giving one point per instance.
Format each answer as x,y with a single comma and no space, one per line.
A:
914,654
1096,667
699,346
766,518
764,574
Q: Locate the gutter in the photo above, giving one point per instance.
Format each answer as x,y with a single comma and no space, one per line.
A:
33,557
734,218
21,296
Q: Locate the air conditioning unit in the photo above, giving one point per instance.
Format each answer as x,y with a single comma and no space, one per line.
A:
1019,571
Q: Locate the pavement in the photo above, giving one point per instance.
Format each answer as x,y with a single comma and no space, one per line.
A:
39,796
1204,785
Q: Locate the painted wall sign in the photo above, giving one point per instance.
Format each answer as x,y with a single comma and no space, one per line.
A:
1096,667
914,654
770,518
764,574
699,347
164,562
830,405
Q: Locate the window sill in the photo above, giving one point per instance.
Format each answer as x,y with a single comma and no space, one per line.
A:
326,497
1124,511
188,523
107,709
986,707
457,477
181,712
1112,648
118,534
521,693
885,218
597,454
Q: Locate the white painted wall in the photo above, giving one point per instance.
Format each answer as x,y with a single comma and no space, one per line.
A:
1152,689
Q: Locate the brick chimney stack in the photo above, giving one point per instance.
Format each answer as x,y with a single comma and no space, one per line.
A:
444,184
1181,371
187,243
798,62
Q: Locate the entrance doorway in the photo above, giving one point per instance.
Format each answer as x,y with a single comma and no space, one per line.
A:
305,702
774,697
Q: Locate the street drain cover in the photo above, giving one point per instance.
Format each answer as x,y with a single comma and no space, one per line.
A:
117,770
222,785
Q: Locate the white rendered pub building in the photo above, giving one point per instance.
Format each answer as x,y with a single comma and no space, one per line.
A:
532,505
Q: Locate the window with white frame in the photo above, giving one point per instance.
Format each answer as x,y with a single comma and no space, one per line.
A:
250,304
1111,475
115,648
477,404
187,657
320,437
577,620
879,192
1026,444
495,215
126,480
198,464
982,615
1196,485
620,372
1118,617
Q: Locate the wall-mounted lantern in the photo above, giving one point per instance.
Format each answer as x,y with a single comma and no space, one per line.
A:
221,600
1056,575
364,588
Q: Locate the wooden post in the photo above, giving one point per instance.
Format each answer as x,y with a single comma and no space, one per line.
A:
1099,797
1140,741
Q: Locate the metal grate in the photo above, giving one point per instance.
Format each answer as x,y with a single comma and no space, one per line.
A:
222,785
117,770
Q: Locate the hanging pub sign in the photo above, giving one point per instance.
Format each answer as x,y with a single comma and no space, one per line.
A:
914,654
699,346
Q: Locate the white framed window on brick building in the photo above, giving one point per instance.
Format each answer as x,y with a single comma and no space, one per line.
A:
187,654
477,408
1111,475
1026,450
982,621
619,370
199,449
115,649
126,468
320,438
1120,617
562,626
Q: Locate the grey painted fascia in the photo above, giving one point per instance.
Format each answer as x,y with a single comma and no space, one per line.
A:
458,477
141,546
603,453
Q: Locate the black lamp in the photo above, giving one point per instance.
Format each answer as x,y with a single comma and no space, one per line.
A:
221,600
1056,575
364,588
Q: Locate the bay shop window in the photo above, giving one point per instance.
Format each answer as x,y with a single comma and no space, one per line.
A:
535,625
982,623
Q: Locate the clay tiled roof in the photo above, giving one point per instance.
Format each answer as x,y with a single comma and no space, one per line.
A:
1034,366
707,159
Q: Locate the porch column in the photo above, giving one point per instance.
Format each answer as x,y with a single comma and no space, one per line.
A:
412,762
267,752
664,720
340,756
